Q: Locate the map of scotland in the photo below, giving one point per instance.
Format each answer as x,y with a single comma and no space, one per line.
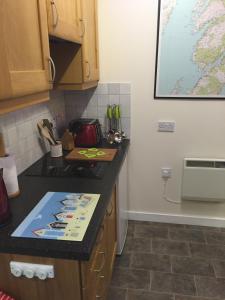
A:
191,49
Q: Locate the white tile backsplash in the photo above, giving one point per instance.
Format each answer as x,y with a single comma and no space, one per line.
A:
114,88
114,99
20,132
103,100
102,89
93,103
19,128
125,89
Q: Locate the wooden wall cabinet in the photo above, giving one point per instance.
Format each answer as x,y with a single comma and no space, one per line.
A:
64,19
24,54
79,69
80,280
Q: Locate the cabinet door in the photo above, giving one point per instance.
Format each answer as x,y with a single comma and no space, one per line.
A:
111,235
24,48
64,19
90,41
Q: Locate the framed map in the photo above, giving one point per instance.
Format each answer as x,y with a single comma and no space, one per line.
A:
190,57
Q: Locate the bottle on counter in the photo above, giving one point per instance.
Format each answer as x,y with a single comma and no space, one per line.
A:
67,141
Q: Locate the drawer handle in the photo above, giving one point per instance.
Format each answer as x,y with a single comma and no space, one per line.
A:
82,27
103,262
98,297
55,13
52,69
109,213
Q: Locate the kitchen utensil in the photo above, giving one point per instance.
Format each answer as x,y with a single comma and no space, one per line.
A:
96,154
2,146
87,132
110,137
4,201
43,131
46,123
116,116
120,124
109,116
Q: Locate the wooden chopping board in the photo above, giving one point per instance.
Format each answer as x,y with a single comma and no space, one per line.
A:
97,154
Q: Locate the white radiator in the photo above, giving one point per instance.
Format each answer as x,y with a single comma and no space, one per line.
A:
203,180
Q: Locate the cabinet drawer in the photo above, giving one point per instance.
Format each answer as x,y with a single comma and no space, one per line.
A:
96,260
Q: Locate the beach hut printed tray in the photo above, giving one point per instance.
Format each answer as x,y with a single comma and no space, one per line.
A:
59,216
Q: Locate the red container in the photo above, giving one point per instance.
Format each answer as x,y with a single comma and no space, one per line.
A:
4,202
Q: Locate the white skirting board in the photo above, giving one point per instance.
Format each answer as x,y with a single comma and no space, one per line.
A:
177,219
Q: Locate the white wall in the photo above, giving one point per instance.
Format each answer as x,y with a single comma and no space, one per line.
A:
127,53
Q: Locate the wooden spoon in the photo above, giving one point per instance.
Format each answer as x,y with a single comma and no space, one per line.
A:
45,133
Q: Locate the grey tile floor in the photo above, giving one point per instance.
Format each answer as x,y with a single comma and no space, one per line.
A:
170,262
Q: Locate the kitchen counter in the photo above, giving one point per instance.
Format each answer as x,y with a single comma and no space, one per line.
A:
34,188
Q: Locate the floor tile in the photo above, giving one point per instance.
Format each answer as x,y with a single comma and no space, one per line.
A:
189,265
117,294
129,278
151,262
149,231
207,251
187,235
180,297
204,228
170,247
130,229
123,260
215,237
210,287
144,295
219,267
158,224
137,245
173,283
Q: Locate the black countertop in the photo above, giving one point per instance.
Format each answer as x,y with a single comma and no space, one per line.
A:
34,188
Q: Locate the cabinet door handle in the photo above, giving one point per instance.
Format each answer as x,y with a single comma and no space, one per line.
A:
103,262
52,69
83,28
55,14
89,69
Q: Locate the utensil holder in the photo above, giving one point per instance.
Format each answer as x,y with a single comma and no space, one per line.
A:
56,150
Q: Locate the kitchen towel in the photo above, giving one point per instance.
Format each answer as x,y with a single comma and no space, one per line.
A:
5,297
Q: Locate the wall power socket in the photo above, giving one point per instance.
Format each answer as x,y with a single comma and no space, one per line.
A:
166,172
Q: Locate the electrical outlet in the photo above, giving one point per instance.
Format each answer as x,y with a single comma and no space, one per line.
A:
166,172
166,126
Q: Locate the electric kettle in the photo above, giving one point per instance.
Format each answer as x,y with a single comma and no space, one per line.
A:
4,202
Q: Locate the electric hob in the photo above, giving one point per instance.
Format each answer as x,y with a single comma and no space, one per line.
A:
59,167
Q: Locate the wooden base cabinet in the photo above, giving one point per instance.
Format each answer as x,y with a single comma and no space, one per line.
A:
80,280
96,274
24,52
